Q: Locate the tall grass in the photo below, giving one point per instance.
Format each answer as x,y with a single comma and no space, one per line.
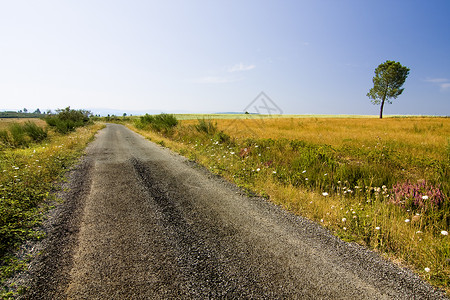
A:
381,183
22,134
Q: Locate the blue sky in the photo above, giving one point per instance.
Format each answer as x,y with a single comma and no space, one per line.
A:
214,56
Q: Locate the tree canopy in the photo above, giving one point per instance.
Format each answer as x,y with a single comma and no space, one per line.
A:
387,83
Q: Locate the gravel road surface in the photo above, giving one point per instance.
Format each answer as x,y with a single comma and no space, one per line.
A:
139,222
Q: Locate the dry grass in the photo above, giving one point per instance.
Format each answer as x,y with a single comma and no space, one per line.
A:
417,136
5,122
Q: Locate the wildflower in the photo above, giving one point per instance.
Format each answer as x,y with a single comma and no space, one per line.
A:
306,179
377,228
321,220
274,172
407,220
345,228
443,232
419,232
344,219
304,171
427,269
325,194
257,170
425,197
325,174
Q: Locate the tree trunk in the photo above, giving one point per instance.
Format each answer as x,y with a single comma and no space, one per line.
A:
381,110
382,104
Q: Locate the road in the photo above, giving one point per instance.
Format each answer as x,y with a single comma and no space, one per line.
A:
140,222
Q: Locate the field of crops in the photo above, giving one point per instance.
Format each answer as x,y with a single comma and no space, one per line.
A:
381,183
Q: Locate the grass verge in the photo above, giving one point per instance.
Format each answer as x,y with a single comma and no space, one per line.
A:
27,176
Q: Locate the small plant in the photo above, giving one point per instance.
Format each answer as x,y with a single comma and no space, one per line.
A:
222,137
36,133
417,196
206,126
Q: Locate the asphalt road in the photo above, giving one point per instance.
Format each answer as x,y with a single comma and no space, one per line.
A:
140,222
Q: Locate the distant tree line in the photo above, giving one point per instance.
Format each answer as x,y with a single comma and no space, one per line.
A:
23,113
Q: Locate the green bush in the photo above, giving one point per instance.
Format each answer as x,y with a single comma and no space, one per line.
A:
67,120
206,126
161,123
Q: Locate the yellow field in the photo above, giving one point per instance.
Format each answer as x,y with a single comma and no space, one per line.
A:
5,122
424,137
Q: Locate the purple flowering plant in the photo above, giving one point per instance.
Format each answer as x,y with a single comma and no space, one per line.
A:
420,196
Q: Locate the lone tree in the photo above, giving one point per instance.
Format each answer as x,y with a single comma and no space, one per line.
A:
387,82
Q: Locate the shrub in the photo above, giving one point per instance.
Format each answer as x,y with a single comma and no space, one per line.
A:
66,120
161,123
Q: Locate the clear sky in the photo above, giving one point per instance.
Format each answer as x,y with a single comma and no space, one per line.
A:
313,56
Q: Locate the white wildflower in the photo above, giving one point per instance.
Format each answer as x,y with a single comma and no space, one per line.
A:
377,228
425,197
325,194
344,219
443,232
407,220
427,269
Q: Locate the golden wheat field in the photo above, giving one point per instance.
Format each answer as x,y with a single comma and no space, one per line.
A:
425,137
